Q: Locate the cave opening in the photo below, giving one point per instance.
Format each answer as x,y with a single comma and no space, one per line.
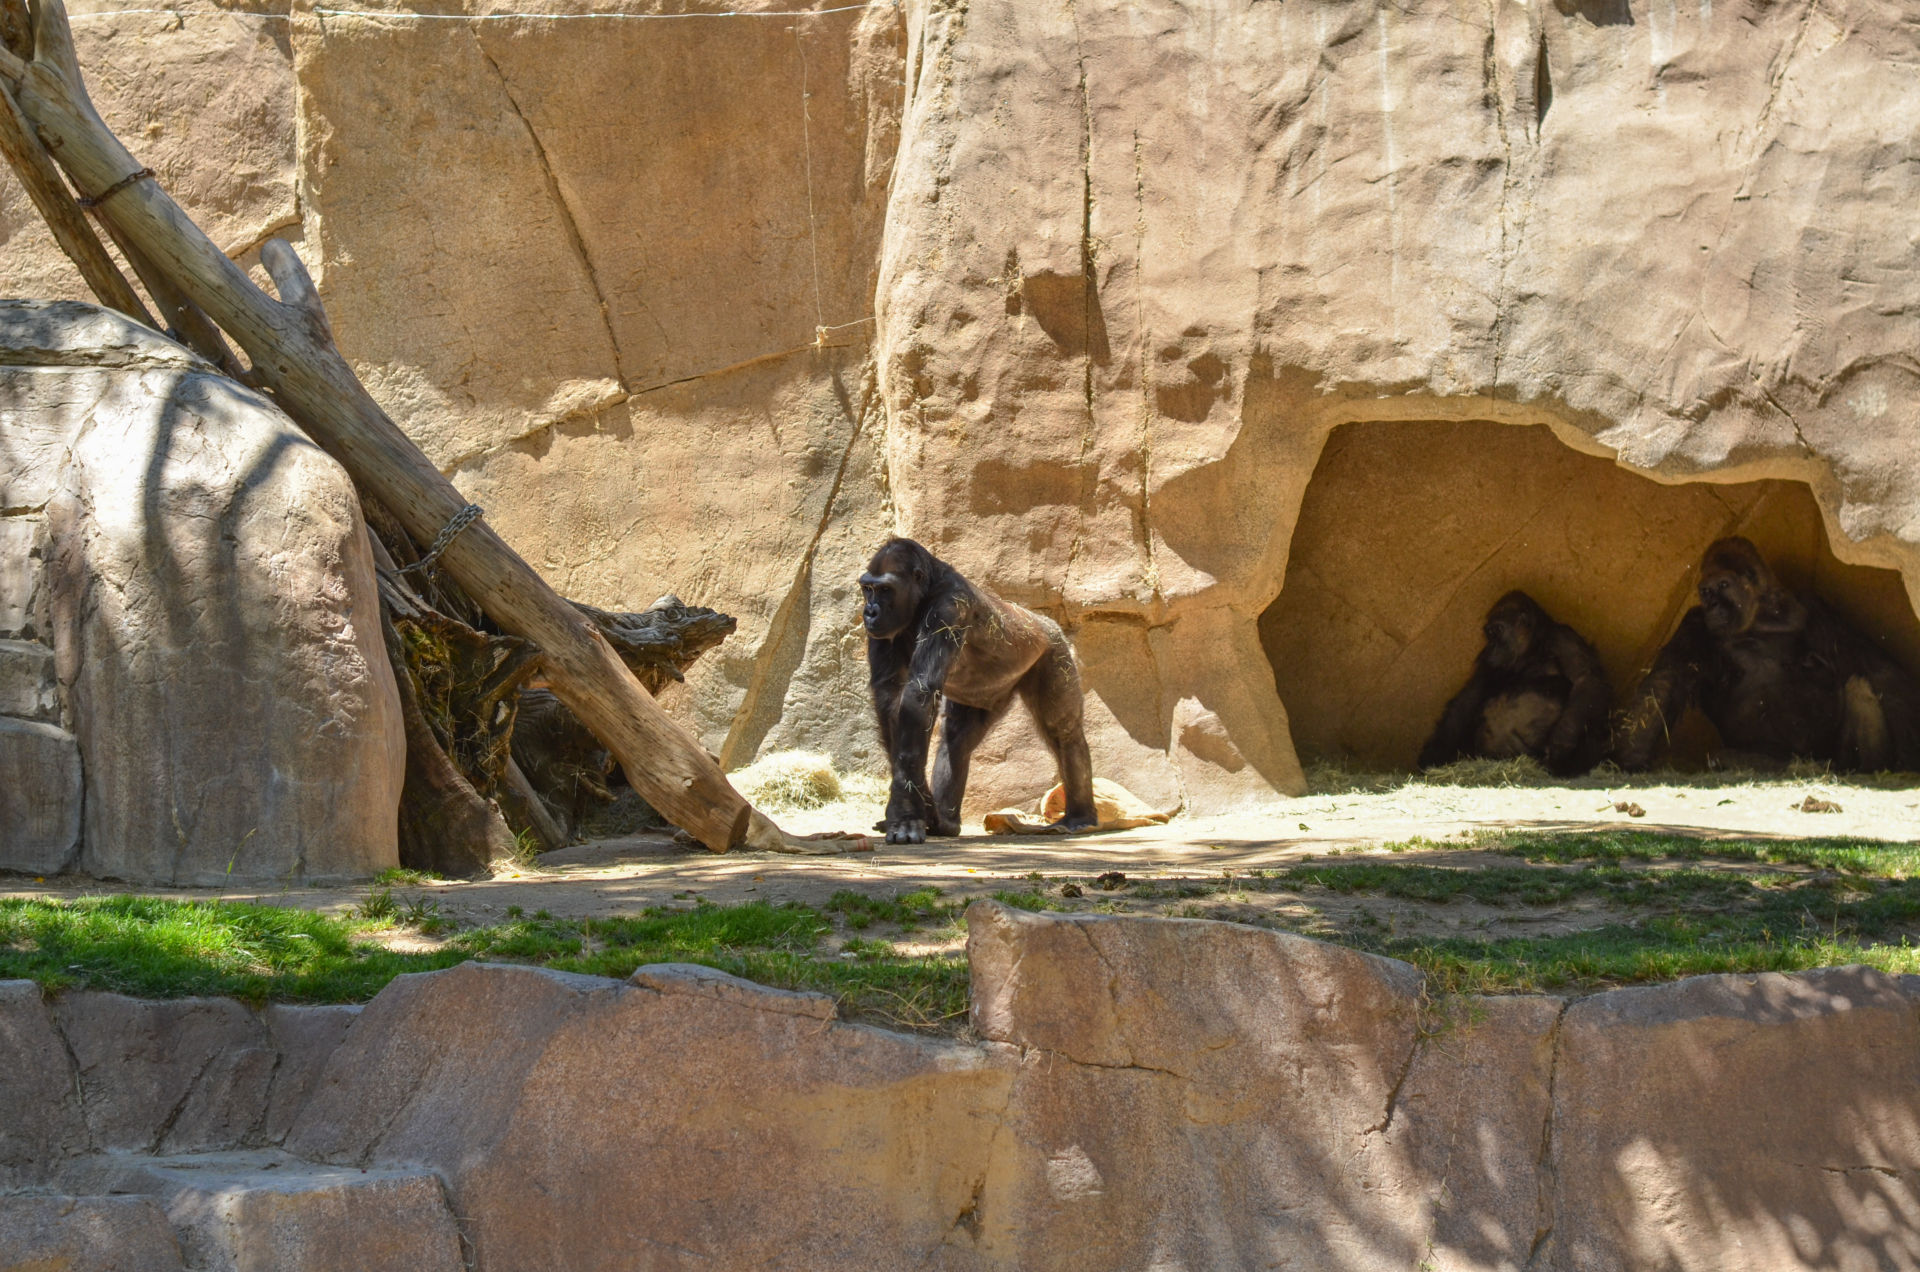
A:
1410,531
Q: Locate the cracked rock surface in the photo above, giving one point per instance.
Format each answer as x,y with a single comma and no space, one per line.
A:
1143,1092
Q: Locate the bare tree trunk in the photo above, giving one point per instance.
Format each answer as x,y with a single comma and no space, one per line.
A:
445,826
293,354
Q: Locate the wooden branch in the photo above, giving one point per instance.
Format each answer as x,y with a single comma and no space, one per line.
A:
660,642
185,320
293,356
51,198
520,793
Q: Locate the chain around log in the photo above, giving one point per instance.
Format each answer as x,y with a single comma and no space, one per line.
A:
448,533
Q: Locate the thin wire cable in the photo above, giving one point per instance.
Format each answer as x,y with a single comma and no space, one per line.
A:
393,16
813,225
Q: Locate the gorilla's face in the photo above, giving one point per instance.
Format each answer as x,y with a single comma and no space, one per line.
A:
1510,629
891,595
1733,583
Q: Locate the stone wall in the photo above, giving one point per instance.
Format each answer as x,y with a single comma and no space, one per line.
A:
1142,1093
1076,295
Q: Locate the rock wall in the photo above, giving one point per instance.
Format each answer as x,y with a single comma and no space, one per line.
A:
199,581
1076,295
1143,1093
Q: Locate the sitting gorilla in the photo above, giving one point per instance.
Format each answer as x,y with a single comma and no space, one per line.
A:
1778,674
1537,689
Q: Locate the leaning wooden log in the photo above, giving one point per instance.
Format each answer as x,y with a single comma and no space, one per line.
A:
293,354
51,198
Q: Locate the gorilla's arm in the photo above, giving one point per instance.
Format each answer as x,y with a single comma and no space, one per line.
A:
909,804
887,665
1666,691
1579,736
1453,737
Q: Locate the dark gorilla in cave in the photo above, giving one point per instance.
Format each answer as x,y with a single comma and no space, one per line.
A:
1779,674
1537,689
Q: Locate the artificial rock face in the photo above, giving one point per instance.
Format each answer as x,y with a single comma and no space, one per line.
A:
212,613
1075,296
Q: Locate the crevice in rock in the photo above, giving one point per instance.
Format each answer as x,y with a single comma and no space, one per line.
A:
180,1105
1490,93
1385,1124
784,617
1089,297
481,454
73,1067
1542,87
1775,83
567,219
1545,1200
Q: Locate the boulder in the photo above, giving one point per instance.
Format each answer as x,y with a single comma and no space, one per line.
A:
267,1212
85,1234
1253,1066
214,617
686,1117
28,688
1765,1121
169,1076
41,797
303,1038
44,1124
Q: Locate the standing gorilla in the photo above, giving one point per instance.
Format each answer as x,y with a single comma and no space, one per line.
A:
931,633
1537,689
1778,674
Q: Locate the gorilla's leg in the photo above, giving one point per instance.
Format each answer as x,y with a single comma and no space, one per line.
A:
1051,691
961,731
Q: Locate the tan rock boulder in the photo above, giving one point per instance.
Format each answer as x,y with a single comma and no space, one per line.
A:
1252,1067
41,797
168,1076
1738,1121
267,1212
86,1234
686,1117
1138,266
44,1124
213,612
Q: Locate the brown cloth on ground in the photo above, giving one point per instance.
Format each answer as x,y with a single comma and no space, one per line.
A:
1118,809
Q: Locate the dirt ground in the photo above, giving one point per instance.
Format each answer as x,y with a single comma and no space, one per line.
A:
626,875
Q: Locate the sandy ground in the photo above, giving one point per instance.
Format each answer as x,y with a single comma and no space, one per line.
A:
624,876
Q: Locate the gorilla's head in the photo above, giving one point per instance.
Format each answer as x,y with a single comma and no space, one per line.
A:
1735,587
895,582
1512,625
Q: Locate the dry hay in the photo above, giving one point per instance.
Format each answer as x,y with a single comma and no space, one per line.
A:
785,781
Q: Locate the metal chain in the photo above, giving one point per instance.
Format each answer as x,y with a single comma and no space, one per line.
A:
113,189
448,533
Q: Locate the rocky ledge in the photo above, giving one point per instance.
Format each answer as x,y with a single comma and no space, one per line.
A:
1143,1092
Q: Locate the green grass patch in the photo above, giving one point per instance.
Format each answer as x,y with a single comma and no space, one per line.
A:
1870,857
157,948
1661,906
